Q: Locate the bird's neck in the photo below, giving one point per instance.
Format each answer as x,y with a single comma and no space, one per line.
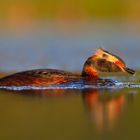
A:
90,72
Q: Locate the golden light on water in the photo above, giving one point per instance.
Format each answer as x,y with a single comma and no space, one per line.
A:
67,15
70,10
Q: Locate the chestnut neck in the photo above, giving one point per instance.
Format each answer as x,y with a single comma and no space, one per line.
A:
89,71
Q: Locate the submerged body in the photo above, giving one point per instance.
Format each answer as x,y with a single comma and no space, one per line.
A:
100,61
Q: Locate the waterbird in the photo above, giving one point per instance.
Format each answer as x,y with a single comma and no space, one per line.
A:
100,61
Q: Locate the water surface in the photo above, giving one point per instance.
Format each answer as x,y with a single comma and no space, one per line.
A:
69,114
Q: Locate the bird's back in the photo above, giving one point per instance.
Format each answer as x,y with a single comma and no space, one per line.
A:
39,77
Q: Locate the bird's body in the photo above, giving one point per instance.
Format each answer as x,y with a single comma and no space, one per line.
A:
39,77
100,61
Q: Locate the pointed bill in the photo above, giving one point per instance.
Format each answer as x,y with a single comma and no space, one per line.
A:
131,71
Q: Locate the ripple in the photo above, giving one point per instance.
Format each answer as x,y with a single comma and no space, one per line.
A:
76,86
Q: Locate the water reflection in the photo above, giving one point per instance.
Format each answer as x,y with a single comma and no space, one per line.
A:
105,108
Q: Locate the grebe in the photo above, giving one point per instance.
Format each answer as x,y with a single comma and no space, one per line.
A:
102,61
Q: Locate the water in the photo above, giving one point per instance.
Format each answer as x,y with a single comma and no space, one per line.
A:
107,113
49,44
70,114
99,113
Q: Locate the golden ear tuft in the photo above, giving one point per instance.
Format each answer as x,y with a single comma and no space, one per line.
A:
99,51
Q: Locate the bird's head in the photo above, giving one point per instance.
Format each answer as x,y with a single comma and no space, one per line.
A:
105,61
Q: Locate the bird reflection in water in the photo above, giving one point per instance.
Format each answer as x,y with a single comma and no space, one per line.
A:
104,108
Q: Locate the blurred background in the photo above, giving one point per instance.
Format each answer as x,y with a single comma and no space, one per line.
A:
63,33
